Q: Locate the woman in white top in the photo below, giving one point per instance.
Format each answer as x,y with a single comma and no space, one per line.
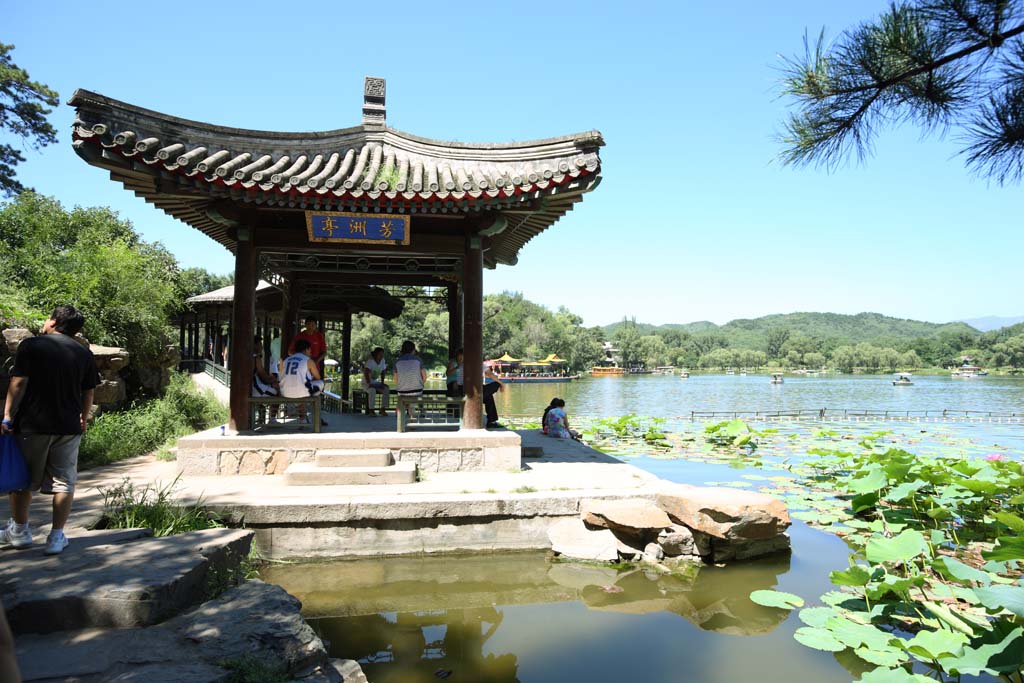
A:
374,367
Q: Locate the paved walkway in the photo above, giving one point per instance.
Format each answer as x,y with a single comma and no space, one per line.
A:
566,469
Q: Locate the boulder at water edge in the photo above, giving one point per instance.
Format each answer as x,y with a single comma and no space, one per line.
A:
571,538
728,514
632,515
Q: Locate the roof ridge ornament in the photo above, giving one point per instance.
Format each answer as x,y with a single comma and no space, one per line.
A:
374,112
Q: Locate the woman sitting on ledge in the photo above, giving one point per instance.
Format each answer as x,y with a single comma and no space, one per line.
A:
556,423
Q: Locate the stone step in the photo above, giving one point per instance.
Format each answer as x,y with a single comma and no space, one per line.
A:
308,474
353,457
119,579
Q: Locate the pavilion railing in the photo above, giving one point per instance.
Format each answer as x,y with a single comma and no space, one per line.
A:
218,372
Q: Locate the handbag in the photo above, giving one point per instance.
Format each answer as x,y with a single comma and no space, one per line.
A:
14,475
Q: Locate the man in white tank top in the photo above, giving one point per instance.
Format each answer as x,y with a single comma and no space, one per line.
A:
299,376
409,373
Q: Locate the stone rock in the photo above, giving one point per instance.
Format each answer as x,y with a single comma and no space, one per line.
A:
630,515
677,540
653,552
743,549
725,513
253,462
254,621
121,583
350,670
13,338
571,538
109,393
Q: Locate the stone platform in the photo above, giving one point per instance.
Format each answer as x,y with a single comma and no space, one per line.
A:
273,450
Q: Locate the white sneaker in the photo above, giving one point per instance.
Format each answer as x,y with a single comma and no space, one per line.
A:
55,543
8,536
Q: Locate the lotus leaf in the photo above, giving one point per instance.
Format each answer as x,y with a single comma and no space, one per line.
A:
873,481
1011,520
930,645
779,599
894,676
956,569
889,656
856,575
816,616
856,635
818,638
1001,656
1010,598
905,489
906,546
1009,548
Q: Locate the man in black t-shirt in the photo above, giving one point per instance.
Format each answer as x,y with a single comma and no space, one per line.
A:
47,406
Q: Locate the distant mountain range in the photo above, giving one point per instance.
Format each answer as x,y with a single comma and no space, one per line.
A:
831,327
993,322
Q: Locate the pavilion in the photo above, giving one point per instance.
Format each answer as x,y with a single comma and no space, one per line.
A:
321,214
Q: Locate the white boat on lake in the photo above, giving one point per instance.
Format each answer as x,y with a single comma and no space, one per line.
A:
902,379
776,378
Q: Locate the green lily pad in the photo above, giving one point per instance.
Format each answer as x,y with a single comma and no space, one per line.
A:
818,638
856,575
816,616
930,645
1009,548
906,546
779,599
882,657
1010,598
1011,520
991,658
956,569
893,676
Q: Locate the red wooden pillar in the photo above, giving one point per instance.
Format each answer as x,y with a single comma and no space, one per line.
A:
292,304
472,329
346,353
243,319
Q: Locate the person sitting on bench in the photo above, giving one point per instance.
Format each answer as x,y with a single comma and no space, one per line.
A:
300,376
409,373
263,382
374,367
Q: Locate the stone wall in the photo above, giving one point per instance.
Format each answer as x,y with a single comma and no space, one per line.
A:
208,453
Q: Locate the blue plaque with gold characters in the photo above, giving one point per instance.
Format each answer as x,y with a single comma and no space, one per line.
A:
357,228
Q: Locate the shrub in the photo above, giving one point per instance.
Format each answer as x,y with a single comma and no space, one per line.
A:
146,426
127,506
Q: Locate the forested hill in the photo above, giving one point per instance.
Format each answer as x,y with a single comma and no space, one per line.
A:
835,328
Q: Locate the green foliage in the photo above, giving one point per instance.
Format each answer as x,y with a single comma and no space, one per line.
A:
24,105
915,522
90,258
146,426
780,599
936,63
127,506
732,434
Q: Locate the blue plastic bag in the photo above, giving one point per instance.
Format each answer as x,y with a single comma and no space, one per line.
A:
14,474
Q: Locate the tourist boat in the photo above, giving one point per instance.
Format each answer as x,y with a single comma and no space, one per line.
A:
966,371
684,373
902,379
730,372
514,370
665,370
607,371
776,378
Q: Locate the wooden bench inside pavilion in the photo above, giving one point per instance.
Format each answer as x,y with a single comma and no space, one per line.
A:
325,217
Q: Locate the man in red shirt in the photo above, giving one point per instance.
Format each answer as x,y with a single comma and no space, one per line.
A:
317,343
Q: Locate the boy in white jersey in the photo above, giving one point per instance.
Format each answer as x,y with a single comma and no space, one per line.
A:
300,376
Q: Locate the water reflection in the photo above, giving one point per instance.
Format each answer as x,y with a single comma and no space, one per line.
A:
412,619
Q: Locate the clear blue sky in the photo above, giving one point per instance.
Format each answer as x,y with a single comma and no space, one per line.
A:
695,220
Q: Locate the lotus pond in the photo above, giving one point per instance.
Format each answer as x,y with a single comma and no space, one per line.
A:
905,567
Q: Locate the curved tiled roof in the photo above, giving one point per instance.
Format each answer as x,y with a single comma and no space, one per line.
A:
176,163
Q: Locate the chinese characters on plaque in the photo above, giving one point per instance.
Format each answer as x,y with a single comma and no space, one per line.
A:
361,228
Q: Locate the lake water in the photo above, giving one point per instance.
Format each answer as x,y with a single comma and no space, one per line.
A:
520,617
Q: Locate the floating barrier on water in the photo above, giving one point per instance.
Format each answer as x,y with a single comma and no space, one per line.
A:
859,415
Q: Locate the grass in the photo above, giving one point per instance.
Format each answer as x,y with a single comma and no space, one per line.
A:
127,506
525,489
151,425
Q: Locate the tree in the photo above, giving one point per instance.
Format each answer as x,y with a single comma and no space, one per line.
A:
934,63
627,340
24,105
776,337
